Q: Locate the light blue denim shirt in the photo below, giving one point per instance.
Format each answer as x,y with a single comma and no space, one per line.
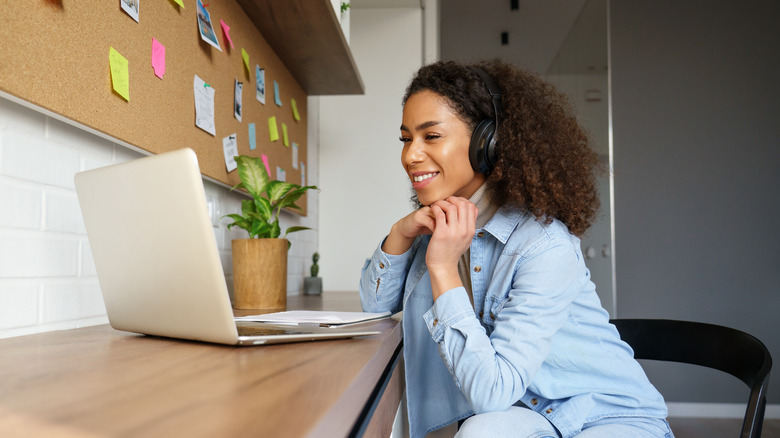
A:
537,333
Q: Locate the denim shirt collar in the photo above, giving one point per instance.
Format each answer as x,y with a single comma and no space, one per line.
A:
505,221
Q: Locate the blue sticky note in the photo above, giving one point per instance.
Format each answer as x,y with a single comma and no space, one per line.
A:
252,139
277,98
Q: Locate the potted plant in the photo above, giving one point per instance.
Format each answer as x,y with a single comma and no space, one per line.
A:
345,20
260,262
313,285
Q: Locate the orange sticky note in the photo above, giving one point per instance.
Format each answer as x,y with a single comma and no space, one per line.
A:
120,77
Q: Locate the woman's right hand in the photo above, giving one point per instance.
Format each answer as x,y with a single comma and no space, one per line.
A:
403,232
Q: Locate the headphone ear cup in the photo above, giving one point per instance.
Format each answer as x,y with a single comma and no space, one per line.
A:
482,152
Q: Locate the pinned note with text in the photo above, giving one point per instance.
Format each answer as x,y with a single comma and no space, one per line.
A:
120,77
204,105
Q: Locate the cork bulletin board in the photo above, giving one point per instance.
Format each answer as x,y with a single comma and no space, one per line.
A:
55,55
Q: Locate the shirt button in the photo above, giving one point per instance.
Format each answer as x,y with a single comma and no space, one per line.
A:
492,316
435,321
534,401
481,314
477,268
381,265
480,234
549,411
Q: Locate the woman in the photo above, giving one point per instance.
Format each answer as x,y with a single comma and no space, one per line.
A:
502,325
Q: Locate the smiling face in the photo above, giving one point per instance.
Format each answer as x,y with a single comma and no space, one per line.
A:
436,149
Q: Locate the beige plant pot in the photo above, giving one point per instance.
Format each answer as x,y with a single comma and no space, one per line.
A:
260,274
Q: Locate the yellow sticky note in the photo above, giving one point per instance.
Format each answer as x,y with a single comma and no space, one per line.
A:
273,130
286,140
296,116
246,59
178,2
120,78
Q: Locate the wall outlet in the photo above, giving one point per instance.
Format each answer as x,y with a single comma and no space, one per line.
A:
214,211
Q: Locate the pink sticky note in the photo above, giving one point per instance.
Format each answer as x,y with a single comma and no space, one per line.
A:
226,29
158,58
265,161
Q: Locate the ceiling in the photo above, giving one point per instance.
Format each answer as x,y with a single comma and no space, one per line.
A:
537,31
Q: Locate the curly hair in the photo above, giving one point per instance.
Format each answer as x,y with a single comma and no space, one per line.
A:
545,161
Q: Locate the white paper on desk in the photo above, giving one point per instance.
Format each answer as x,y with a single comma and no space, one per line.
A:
315,317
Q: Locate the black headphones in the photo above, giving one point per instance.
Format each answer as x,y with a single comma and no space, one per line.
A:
482,149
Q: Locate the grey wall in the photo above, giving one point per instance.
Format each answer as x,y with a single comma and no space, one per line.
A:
696,125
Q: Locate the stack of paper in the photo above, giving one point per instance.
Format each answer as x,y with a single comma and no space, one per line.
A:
320,318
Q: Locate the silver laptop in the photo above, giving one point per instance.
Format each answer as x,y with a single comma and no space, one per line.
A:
156,255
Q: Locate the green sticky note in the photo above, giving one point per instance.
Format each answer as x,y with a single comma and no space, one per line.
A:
120,77
273,130
296,116
178,2
286,140
246,59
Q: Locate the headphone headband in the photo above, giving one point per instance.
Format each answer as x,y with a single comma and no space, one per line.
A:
493,89
482,149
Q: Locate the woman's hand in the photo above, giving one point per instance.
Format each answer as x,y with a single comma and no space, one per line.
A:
404,231
455,222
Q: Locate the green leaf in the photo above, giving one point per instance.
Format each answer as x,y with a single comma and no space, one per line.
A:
254,177
248,207
292,196
260,229
260,215
240,221
294,229
277,191
275,230
264,208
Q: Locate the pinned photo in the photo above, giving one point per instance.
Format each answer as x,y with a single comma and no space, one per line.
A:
237,101
260,92
230,151
131,7
206,29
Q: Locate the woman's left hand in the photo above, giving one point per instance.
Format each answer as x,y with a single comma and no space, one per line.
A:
455,220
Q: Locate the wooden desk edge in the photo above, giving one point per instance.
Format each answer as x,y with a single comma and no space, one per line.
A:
354,408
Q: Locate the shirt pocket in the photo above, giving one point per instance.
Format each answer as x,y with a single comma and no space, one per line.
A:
418,285
489,315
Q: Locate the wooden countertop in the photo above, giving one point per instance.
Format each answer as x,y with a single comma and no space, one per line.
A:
97,381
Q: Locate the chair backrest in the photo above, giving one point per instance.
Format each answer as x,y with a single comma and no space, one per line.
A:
722,348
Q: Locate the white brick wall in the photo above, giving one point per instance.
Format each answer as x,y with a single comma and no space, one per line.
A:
47,277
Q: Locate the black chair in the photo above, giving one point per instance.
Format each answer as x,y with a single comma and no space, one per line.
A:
713,346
